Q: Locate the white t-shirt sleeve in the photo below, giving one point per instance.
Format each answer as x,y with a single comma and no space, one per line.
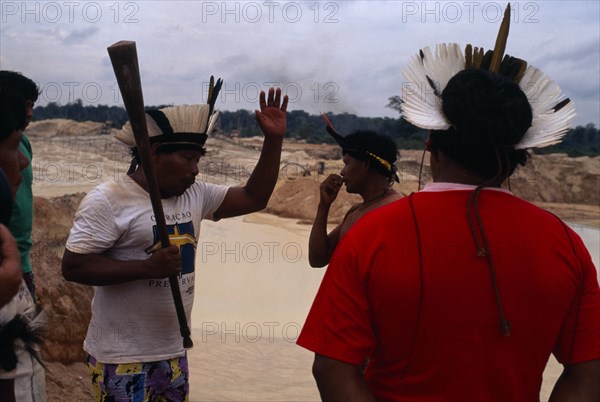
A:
213,195
95,229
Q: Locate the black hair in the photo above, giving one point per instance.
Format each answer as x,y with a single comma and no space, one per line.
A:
17,82
362,141
13,113
489,115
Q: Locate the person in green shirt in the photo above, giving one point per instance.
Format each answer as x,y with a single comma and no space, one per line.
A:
22,212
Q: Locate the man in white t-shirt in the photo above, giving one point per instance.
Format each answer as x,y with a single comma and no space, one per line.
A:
133,340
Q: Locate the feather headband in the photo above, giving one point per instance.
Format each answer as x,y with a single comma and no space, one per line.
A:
427,75
182,124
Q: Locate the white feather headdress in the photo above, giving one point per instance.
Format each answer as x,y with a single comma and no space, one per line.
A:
427,75
181,124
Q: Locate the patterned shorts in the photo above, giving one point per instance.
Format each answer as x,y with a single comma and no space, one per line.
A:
165,380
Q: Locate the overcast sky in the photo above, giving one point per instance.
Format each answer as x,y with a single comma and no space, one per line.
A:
339,56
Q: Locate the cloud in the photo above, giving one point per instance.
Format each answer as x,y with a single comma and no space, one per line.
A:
79,36
341,56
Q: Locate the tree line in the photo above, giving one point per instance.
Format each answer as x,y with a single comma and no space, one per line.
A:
579,141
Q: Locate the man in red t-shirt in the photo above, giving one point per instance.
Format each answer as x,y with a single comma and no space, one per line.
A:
432,332
461,291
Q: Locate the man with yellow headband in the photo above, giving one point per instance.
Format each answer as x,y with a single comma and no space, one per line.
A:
369,170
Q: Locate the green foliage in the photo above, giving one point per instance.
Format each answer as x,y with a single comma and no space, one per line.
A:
76,111
579,141
311,128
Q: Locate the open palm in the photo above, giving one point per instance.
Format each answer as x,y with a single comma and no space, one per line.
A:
271,117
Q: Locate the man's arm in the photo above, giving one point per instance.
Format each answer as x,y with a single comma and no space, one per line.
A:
7,389
339,381
10,266
578,383
255,195
99,270
320,244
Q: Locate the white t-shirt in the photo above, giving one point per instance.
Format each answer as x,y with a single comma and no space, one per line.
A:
136,321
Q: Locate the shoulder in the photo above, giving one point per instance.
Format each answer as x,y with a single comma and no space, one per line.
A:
537,217
25,146
111,194
352,209
205,186
391,208
25,141
102,191
203,190
386,216
123,188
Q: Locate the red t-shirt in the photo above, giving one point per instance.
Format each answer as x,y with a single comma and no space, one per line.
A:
434,334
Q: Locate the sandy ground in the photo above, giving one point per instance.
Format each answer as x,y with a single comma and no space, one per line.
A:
254,290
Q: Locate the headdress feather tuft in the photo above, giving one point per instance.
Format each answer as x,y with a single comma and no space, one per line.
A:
552,112
427,75
181,123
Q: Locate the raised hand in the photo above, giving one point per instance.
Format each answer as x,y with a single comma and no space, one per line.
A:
271,117
329,188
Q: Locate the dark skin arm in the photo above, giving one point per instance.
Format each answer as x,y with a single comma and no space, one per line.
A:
255,195
10,266
339,381
99,270
7,390
578,383
321,244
